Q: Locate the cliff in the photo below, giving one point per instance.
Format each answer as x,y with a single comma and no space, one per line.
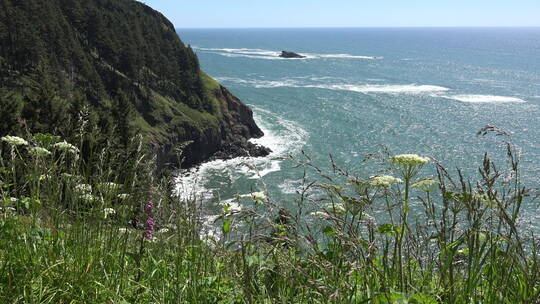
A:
124,63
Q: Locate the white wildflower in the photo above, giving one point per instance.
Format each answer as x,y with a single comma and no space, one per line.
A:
66,147
231,206
8,209
44,177
14,140
319,214
83,188
409,160
89,198
426,185
163,230
39,151
108,211
384,181
122,230
368,218
13,199
337,208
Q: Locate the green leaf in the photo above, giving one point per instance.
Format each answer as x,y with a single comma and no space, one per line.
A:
422,298
226,227
329,231
388,229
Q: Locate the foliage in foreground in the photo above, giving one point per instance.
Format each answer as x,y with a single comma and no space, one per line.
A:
113,234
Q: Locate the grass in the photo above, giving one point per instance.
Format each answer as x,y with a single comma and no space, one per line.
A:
400,237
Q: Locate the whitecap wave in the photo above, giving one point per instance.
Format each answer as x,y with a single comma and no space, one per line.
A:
361,88
391,89
274,55
472,98
261,83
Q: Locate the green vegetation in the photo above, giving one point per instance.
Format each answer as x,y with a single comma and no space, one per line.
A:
117,235
84,217
120,60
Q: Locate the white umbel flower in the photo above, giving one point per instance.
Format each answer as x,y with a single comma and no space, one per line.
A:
14,140
258,197
83,188
426,185
319,214
384,181
409,159
64,146
336,208
39,151
108,211
231,206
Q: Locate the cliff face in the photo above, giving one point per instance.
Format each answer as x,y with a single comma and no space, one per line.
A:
120,57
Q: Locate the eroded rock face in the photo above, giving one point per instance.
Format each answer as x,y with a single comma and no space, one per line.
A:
230,139
287,54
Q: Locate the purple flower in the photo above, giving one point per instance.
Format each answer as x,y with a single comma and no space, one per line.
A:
149,231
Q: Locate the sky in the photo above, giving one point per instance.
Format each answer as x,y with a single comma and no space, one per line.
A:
347,13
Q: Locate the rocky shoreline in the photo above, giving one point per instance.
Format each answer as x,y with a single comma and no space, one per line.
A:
227,141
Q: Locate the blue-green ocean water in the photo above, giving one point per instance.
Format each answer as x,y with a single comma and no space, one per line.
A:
425,91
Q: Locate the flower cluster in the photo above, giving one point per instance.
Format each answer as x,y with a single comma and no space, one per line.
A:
108,211
383,181
258,197
231,206
409,160
319,214
14,140
426,185
83,188
39,152
66,147
150,224
336,208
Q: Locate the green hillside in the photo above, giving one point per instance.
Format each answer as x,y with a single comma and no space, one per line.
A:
125,64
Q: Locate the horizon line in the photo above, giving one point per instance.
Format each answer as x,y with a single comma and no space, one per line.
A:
364,27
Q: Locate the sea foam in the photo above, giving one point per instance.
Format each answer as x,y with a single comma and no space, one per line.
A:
392,89
471,98
282,136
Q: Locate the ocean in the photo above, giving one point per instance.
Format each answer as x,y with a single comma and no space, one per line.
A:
368,90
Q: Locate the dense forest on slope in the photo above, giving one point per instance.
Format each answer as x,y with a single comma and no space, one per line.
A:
116,68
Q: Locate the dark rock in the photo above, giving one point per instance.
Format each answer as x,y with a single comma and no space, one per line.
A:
228,141
286,54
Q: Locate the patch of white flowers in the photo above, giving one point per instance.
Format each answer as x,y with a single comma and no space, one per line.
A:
39,151
409,160
108,211
83,188
14,140
66,147
426,185
89,198
319,214
231,206
337,208
384,181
